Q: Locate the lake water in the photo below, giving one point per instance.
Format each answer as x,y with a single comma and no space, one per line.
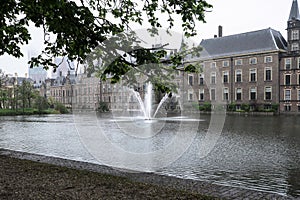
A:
257,152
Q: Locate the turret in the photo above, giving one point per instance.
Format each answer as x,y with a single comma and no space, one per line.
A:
293,28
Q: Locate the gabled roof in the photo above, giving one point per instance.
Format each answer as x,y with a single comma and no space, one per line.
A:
244,43
294,13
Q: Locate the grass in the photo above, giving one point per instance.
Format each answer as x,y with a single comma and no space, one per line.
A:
23,179
26,111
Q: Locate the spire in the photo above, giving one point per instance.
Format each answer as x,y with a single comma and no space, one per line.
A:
294,14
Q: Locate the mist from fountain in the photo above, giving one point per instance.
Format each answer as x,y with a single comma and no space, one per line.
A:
146,105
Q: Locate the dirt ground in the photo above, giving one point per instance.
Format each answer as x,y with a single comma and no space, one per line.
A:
23,179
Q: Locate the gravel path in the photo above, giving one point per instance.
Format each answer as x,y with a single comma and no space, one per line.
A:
57,178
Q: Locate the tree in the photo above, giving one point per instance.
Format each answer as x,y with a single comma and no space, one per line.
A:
41,103
26,94
74,28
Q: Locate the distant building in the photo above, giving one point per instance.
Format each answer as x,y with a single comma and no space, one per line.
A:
38,75
64,66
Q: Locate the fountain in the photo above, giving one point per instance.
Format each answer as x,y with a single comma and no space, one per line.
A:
146,105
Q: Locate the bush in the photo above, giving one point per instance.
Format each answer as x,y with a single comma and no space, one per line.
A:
61,108
231,107
103,107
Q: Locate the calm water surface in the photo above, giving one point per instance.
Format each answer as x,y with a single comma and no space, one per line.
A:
261,152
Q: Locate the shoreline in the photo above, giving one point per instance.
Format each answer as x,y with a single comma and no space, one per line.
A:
194,186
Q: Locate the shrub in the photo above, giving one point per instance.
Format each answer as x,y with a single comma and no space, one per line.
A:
61,108
103,107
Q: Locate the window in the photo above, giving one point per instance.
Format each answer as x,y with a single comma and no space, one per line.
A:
287,95
191,79
201,94
225,77
268,93
253,93
213,65
238,95
268,74
298,79
295,47
268,59
298,63
226,63
287,108
238,75
287,63
213,78
295,35
201,79
190,95
225,94
252,61
238,62
252,75
213,94
287,79
298,95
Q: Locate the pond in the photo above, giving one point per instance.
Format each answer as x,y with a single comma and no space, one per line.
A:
256,152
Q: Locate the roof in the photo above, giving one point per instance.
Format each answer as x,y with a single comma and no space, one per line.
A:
294,13
244,43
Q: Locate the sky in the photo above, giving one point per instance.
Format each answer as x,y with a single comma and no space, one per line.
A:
235,16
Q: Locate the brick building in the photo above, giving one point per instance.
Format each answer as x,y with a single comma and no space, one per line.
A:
290,65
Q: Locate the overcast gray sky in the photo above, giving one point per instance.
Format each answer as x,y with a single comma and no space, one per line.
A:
236,16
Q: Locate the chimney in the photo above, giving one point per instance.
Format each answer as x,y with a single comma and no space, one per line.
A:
215,36
220,31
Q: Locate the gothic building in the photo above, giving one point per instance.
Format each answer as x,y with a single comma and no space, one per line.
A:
290,65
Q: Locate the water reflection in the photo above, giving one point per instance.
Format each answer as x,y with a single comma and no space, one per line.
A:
261,153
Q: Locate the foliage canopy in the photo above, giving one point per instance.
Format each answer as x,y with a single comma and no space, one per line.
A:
75,28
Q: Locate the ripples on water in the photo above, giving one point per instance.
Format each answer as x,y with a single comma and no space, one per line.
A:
261,153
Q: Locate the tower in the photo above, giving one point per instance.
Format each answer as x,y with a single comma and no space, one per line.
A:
293,29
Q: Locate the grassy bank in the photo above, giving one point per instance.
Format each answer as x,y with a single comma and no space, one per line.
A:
23,179
27,111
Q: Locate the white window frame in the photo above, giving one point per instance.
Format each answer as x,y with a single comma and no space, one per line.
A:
201,91
285,93
201,76
235,77
225,89
213,64
190,91
250,89
286,62
255,74
251,61
223,74
265,90
238,62
227,63
295,46
236,92
265,75
210,94
295,35
213,74
268,59
285,75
